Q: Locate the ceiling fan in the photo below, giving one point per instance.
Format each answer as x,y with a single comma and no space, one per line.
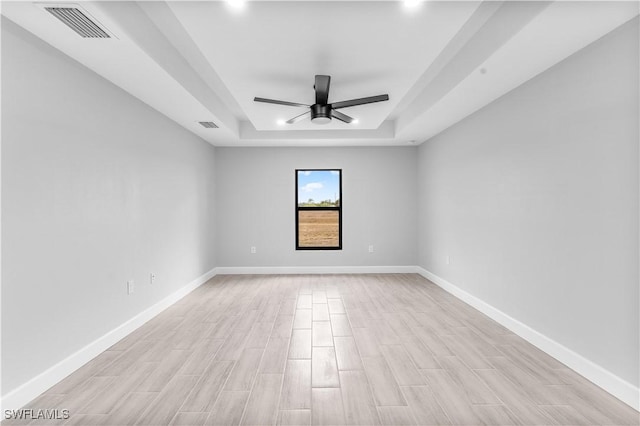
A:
322,112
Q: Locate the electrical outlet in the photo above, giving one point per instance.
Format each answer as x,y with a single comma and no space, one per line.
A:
448,260
370,248
152,278
130,287
253,249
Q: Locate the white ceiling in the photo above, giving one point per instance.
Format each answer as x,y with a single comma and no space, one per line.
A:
439,62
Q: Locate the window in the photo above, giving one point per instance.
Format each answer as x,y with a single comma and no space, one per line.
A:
319,209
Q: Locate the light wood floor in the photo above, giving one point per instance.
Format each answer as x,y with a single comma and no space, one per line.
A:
327,349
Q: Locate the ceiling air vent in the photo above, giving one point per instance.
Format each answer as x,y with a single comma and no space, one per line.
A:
78,21
208,124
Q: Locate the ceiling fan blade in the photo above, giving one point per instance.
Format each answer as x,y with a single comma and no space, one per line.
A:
273,101
340,116
297,118
322,89
360,101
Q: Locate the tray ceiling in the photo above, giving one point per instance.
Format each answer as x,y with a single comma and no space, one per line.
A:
439,61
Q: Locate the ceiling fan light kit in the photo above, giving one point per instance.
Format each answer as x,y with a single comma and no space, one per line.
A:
322,112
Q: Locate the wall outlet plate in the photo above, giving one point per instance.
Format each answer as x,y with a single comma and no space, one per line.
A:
152,278
253,249
130,287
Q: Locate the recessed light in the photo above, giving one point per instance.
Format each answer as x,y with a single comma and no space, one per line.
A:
236,4
411,3
355,121
281,122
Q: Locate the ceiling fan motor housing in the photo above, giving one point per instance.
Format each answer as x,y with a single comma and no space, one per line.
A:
320,114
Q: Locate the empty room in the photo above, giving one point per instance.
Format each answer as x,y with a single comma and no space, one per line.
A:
320,213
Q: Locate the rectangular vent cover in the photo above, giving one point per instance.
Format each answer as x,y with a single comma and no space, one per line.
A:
78,22
208,124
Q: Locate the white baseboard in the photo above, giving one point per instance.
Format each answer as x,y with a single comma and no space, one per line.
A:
621,389
283,270
18,397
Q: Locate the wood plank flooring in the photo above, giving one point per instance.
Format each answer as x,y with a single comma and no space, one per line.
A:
326,350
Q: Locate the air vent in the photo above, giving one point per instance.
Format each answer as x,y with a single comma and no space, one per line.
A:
78,21
208,124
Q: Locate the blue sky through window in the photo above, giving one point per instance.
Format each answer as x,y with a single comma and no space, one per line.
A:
318,185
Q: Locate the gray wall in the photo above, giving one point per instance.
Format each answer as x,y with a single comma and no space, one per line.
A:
255,204
535,200
97,188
